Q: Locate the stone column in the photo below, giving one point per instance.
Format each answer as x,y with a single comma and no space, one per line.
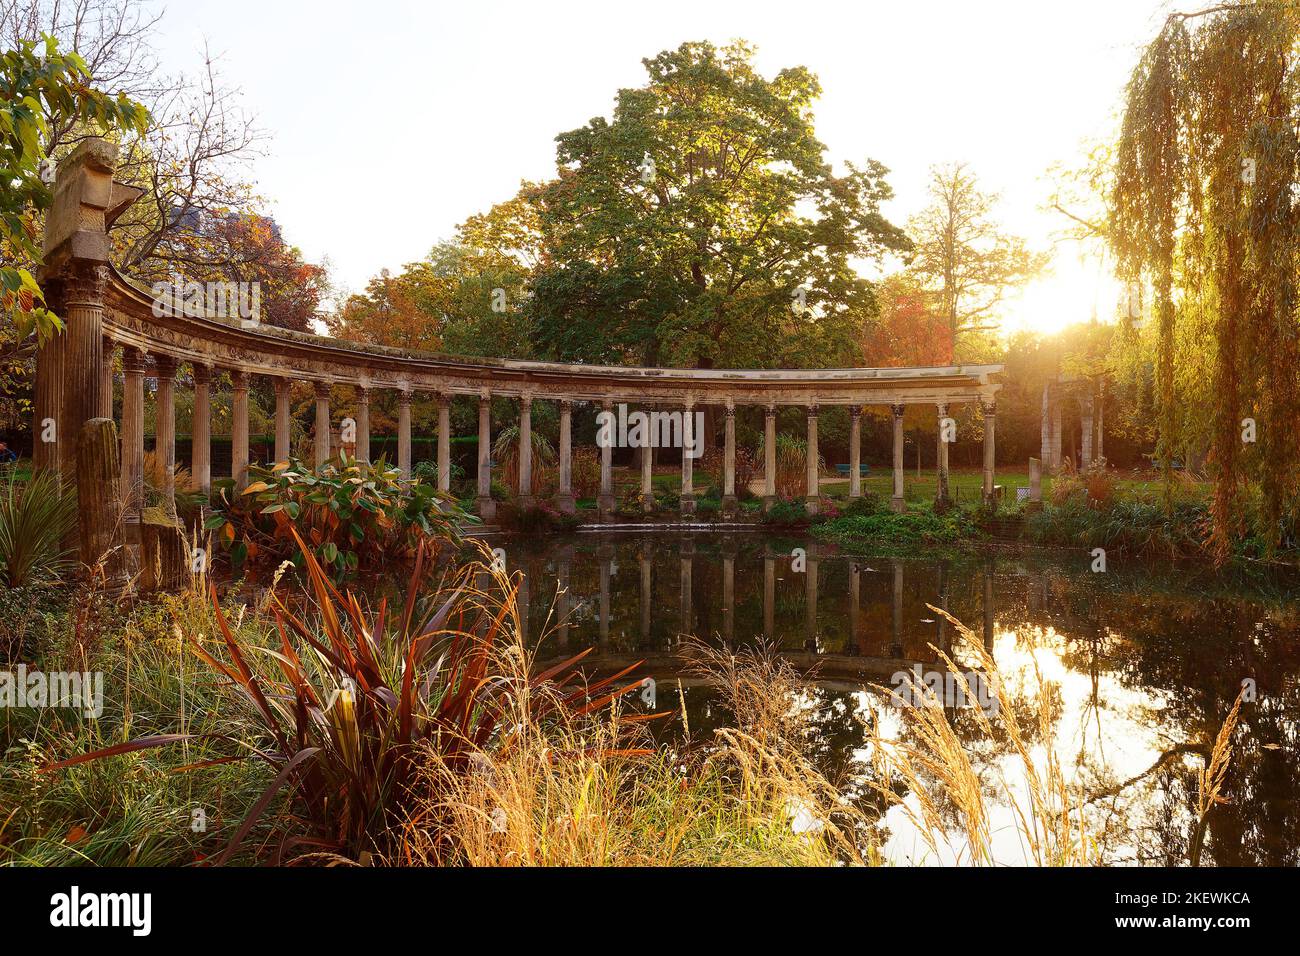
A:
647,467
729,460
487,508
564,499
1045,426
322,423
855,451
1055,450
1035,481
769,457
526,451
165,428
897,503
132,433
239,429
362,450
688,463
444,442
605,502
282,449
106,387
941,497
47,403
989,409
1085,421
201,429
813,491
1101,419
77,354
404,433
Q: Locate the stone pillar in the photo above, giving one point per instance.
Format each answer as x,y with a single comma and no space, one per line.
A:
239,429
647,468
605,502
282,448
47,404
1045,426
165,429
941,496
100,502
688,463
444,442
1035,481
106,387
855,451
897,503
362,450
403,433
812,495
322,423
1085,421
526,451
201,429
132,434
769,457
989,408
564,499
487,508
729,460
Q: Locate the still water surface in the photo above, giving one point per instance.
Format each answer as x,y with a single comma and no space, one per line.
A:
1143,660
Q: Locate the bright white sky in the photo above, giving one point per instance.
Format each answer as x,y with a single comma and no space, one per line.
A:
393,121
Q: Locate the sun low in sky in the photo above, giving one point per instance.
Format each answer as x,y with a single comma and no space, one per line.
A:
433,112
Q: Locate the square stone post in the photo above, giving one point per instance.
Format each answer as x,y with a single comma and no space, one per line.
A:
941,497
897,503
201,429
239,429
444,443
362,452
404,433
688,463
282,419
322,423
487,508
769,457
855,451
1035,481
133,367
1045,426
729,459
1055,450
812,497
605,503
989,408
165,428
564,499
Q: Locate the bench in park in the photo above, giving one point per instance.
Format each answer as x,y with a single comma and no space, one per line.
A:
863,470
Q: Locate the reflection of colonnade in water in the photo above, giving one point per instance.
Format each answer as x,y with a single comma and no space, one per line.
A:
869,637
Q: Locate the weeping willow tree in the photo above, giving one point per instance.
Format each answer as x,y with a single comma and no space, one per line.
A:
1206,215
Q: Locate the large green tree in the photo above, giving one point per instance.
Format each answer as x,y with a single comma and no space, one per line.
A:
703,225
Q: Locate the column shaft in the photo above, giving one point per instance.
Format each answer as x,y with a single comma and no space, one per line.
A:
239,429
769,457
525,451
606,501
165,429
990,423
729,460
404,433
564,498
362,451
322,423
855,451
282,419
897,503
941,497
486,506
813,491
688,463
444,443
132,433
201,430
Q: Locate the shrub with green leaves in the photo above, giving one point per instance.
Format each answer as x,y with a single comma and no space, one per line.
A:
351,514
36,518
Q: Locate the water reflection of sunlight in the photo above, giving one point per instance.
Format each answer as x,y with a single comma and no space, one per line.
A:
1103,735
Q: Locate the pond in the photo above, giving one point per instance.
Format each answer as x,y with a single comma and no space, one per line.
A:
1144,662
